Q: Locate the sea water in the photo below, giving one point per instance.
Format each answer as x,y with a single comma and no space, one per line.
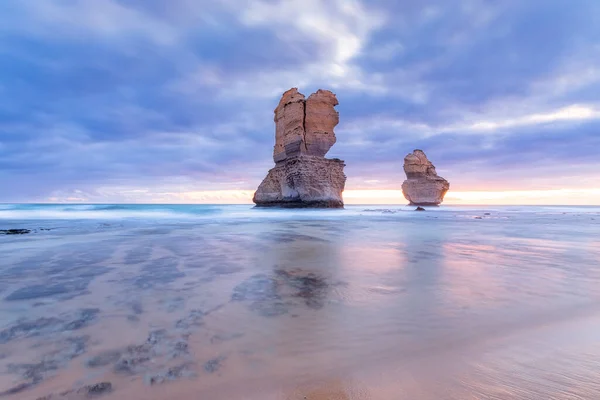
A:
232,302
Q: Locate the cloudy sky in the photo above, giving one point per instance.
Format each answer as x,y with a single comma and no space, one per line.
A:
172,101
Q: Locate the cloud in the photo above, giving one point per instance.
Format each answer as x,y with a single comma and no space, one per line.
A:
104,20
570,113
324,37
134,96
481,124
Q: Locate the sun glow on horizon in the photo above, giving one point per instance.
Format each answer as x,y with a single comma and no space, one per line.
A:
351,196
483,197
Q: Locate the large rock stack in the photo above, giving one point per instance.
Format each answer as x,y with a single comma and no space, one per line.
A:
423,186
302,176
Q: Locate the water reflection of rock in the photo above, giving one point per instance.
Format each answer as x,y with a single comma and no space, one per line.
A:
426,274
277,294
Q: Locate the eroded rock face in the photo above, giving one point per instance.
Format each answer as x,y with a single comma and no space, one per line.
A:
319,122
423,186
289,126
302,176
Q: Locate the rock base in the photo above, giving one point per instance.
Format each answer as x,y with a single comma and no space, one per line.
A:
301,204
428,191
303,182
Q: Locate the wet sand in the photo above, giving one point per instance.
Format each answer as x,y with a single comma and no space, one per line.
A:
440,306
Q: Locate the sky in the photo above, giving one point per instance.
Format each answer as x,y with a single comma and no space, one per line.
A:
172,101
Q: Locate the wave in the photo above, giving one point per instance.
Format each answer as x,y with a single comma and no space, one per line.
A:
200,211
156,211
102,211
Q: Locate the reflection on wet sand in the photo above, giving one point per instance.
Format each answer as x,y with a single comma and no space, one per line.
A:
375,308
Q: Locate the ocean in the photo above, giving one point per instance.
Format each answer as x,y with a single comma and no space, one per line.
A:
231,302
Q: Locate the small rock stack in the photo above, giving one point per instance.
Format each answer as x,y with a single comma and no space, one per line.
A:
423,186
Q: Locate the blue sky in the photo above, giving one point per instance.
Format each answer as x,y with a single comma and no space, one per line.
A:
146,100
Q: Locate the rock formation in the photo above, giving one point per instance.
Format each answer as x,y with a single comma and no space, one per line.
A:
302,176
423,186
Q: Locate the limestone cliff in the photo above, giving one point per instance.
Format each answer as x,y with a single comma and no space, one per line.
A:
302,176
423,186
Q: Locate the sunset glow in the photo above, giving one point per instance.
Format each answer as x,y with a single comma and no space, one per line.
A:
508,197
351,196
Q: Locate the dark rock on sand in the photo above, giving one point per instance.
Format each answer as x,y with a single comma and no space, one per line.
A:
137,308
42,326
135,355
156,336
40,291
193,319
83,318
180,347
97,389
33,373
85,392
24,328
134,358
270,308
104,358
273,296
224,270
286,237
74,347
14,231
214,364
224,337
173,373
17,389
309,286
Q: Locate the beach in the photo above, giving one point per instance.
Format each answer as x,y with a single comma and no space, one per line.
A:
367,302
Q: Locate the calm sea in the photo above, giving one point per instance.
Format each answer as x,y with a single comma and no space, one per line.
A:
369,302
